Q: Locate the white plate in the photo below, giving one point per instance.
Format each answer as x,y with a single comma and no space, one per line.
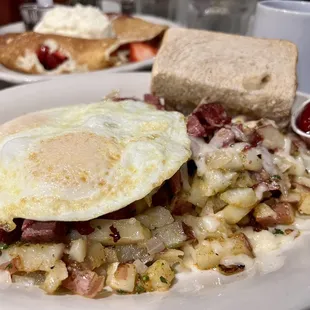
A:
21,78
285,289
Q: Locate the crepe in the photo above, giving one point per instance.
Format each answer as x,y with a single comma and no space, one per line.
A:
18,52
130,29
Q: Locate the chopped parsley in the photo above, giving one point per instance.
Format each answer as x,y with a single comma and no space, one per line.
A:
163,280
140,289
275,177
278,232
9,266
3,246
121,292
145,278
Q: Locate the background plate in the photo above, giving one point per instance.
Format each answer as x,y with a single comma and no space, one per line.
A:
21,78
285,289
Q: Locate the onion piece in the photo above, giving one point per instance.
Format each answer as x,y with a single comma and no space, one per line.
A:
140,267
268,164
260,190
30,279
23,280
5,279
155,245
239,134
184,178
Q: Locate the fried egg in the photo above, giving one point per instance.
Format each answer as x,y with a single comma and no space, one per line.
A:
79,162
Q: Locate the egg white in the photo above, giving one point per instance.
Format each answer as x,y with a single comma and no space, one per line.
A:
79,162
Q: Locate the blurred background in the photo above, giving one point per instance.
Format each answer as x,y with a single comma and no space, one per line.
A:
232,16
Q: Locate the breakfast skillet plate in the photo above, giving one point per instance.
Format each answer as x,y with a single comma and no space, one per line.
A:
286,287
15,77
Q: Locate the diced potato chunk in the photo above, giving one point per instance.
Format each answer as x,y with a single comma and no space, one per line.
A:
304,207
95,255
244,180
233,214
122,277
172,256
251,161
197,194
280,213
77,251
264,215
130,231
34,257
161,275
272,137
208,254
214,204
206,226
155,217
217,181
172,235
214,181
225,159
54,277
292,197
240,197
285,213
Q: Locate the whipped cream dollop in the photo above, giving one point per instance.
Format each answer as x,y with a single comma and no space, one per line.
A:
79,21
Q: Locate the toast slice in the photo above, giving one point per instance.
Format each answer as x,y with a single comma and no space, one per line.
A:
251,76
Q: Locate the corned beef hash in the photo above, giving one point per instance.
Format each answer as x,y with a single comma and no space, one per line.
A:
121,195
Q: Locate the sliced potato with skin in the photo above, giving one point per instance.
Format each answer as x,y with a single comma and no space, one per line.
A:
281,213
130,231
160,275
122,277
285,213
55,277
240,197
264,215
241,245
34,257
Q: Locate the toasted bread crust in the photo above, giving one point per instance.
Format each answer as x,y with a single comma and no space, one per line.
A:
255,77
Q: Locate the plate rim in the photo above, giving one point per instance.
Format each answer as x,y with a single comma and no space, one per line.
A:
153,302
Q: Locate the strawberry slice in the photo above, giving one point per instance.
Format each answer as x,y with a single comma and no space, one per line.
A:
50,61
141,51
42,53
